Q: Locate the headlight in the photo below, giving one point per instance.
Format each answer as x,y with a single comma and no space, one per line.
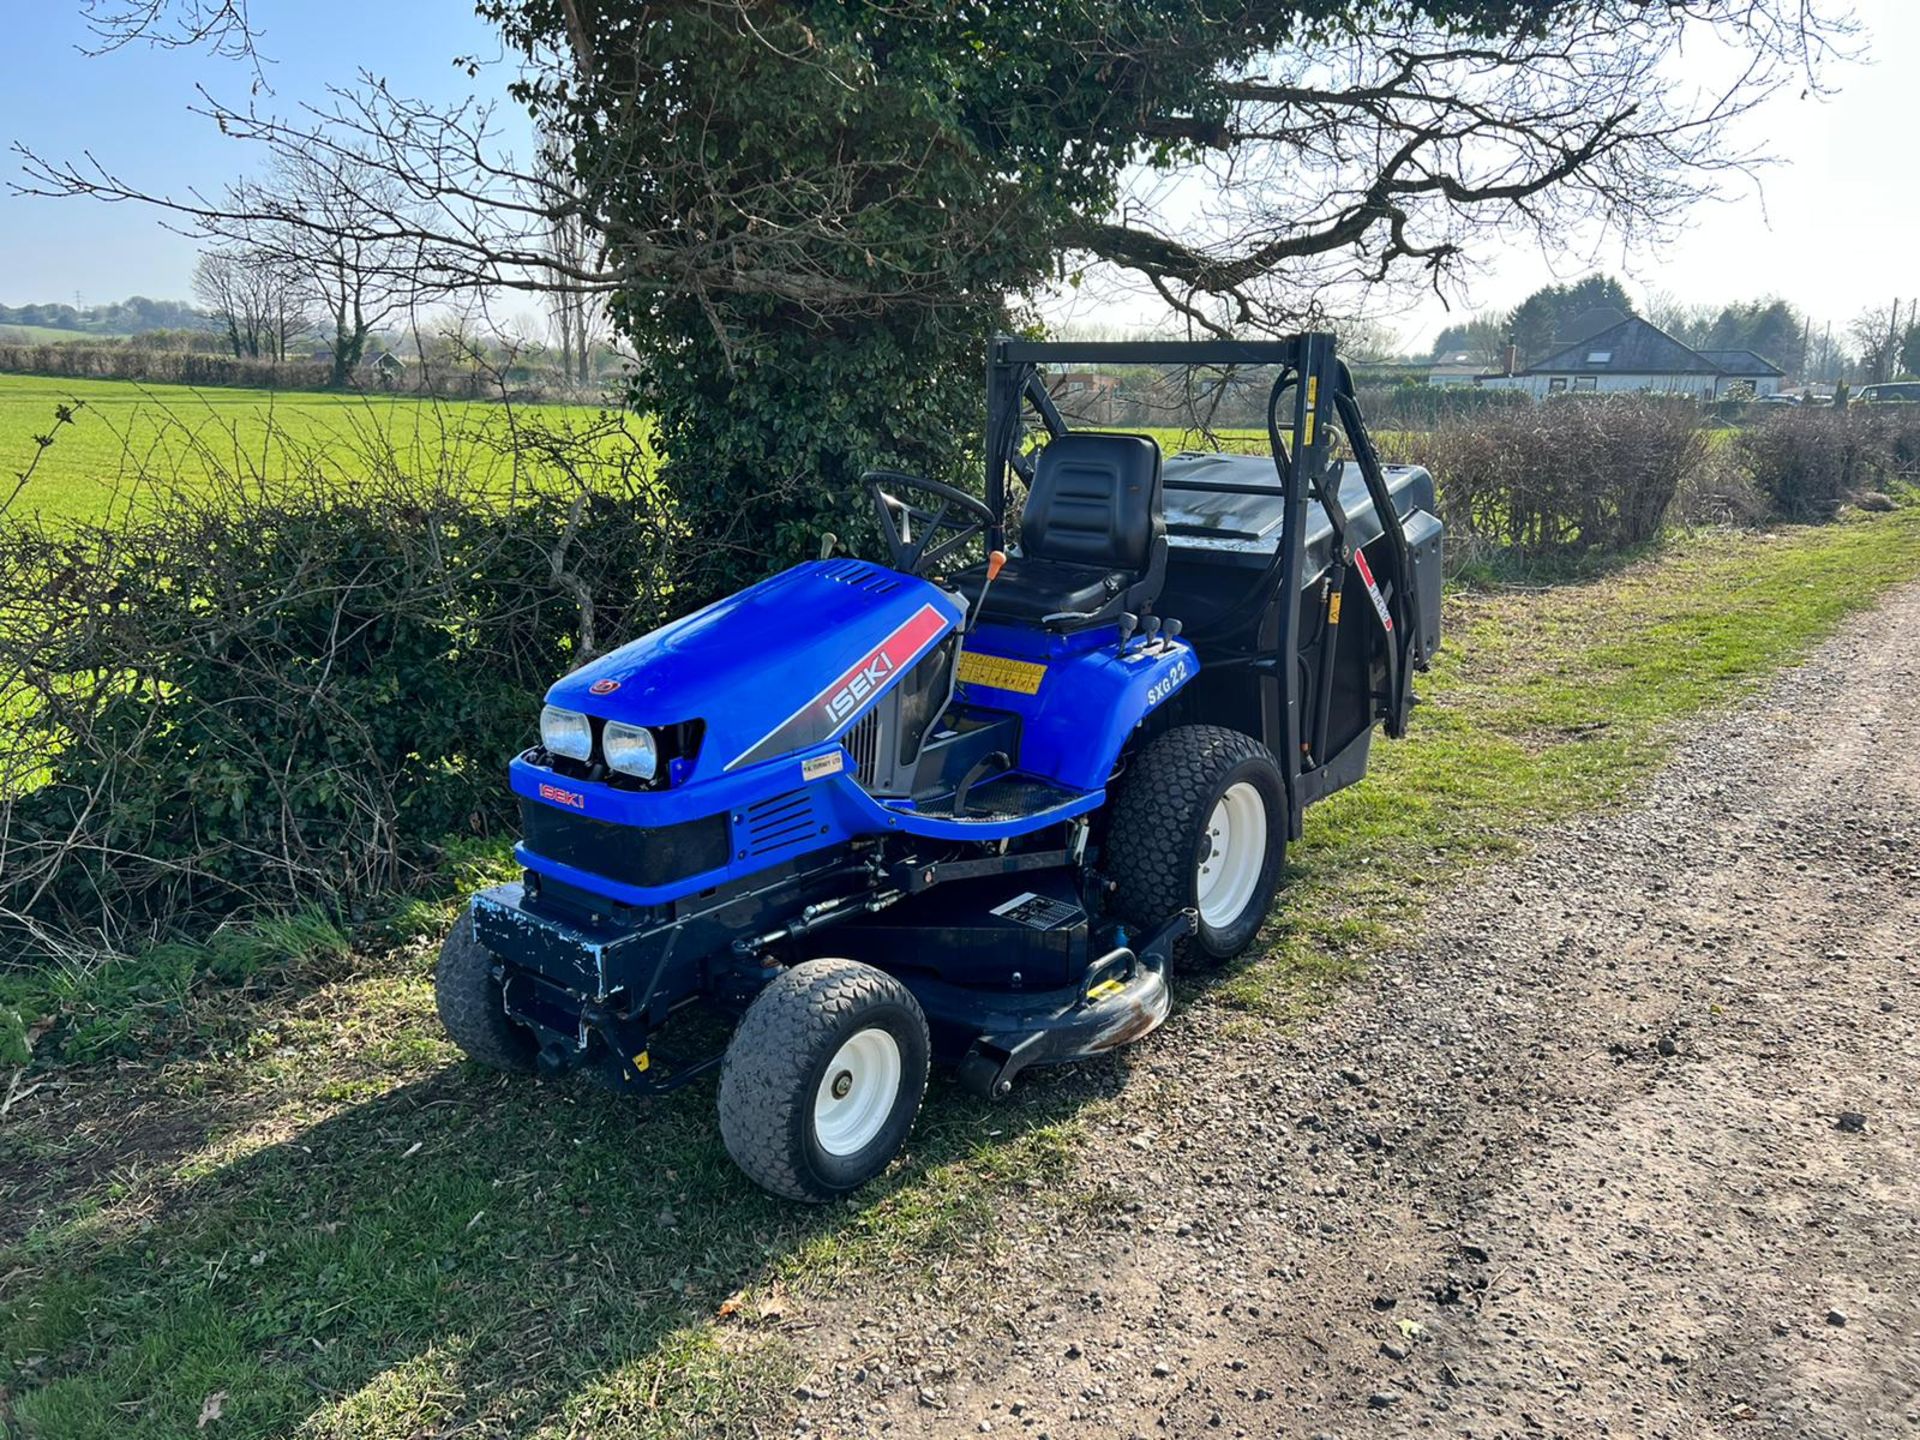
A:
566,732
630,749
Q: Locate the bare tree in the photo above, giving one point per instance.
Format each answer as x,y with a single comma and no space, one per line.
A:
1405,147
219,284
575,315
315,232
1363,338
259,299
1687,323
1877,334
222,26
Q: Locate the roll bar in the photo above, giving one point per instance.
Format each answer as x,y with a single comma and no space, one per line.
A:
1322,388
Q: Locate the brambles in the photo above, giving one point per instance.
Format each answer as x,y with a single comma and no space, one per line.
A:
250,693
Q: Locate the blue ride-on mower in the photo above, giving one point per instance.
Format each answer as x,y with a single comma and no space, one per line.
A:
882,815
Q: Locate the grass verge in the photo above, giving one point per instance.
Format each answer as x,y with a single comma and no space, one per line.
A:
300,1212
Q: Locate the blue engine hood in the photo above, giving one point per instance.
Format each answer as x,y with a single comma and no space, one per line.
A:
781,666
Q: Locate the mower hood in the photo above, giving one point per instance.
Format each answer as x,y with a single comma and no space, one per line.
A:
778,668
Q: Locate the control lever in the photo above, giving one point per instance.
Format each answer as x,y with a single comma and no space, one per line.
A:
827,542
996,562
1171,633
1149,628
1129,622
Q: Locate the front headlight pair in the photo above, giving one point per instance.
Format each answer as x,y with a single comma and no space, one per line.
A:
630,749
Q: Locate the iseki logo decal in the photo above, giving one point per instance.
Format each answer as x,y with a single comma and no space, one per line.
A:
855,687
603,687
865,681
572,799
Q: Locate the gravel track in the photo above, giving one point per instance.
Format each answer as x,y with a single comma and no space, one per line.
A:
1623,1144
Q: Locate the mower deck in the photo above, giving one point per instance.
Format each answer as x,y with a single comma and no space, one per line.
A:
999,964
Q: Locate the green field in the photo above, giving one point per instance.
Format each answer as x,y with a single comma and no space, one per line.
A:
47,335
127,437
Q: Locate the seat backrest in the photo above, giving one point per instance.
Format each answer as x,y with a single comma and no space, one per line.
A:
1095,500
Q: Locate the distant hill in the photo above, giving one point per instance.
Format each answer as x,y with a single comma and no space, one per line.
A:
127,317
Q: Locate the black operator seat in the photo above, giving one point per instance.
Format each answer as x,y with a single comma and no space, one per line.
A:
1093,540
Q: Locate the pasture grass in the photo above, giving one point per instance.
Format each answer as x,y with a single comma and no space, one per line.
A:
11,334
124,435
289,1193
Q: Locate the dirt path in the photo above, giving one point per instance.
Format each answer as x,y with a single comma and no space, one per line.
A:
1624,1145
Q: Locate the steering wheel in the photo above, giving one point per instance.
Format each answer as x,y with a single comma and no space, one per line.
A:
957,512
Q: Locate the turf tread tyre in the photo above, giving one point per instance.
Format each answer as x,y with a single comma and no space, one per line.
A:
775,1062
468,999
1165,799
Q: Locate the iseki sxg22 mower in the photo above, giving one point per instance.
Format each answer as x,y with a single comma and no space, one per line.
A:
882,815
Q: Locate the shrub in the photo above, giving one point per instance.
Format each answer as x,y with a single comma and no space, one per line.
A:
279,693
1809,461
1897,429
72,360
1570,477
1718,491
1414,404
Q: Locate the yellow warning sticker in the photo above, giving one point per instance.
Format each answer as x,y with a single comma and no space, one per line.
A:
1333,608
1104,989
997,672
642,1061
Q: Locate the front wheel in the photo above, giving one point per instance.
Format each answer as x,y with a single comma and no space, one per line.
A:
823,1079
1200,821
467,995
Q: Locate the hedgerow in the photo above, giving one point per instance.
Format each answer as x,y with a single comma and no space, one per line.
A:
270,694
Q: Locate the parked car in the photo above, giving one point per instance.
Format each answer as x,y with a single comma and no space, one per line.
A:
1778,400
1892,390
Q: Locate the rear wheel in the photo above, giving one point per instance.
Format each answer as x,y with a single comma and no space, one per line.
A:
471,1008
1200,821
823,1079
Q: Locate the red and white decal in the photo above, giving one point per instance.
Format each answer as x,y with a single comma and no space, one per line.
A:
1373,590
572,799
850,691
862,680
603,687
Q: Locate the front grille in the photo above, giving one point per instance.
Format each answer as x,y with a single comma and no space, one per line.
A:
863,745
784,823
630,854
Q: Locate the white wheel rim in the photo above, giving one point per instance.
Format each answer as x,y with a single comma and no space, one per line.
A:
1234,853
857,1093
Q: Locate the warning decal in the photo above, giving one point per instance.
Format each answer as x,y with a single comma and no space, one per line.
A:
1037,912
1373,590
997,672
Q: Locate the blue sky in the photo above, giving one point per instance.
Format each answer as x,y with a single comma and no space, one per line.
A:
1836,227
130,109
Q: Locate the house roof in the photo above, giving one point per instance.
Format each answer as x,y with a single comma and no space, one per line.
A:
1632,347
1742,362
